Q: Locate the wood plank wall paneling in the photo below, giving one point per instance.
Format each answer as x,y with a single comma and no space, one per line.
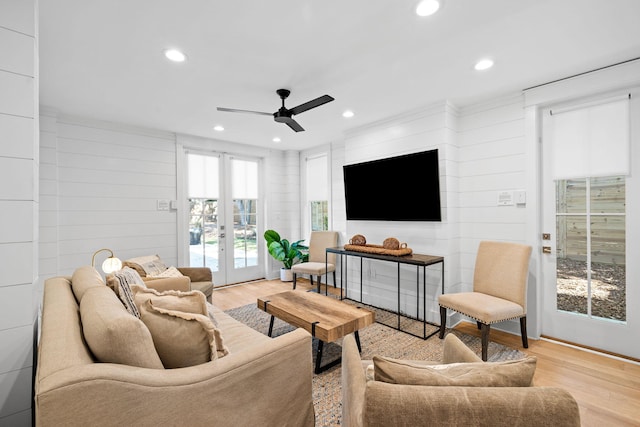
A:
430,128
99,187
19,204
491,159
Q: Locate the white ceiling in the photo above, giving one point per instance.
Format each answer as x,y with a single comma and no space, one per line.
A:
104,59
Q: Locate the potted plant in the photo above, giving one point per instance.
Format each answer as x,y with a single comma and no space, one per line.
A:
288,253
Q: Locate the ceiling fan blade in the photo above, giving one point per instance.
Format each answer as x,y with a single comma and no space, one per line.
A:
233,110
311,104
294,125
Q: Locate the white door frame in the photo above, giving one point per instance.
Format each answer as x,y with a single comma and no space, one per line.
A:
609,80
183,213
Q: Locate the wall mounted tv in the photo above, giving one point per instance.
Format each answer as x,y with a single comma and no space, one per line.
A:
402,188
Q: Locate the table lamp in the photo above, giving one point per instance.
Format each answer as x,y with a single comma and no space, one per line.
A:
110,264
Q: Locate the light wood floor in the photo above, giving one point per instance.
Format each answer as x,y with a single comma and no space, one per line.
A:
606,389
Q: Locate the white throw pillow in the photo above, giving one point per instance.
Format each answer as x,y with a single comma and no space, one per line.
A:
169,272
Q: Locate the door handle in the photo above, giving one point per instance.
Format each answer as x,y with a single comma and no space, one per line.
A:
546,249
221,235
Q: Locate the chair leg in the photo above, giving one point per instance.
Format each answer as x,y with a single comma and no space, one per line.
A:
319,284
479,325
485,340
443,321
523,332
294,280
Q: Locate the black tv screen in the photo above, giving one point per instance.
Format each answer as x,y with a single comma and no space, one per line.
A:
402,188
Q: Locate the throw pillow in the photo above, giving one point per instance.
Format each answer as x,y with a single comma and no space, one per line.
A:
169,272
146,265
114,335
187,302
121,282
512,373
181,339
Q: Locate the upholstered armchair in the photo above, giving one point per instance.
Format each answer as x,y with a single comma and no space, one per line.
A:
152,267
318,243
499,290
418,393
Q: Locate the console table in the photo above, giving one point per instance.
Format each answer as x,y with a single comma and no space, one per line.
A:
419,260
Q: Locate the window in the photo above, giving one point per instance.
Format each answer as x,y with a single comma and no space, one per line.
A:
245,201
590,245
317,192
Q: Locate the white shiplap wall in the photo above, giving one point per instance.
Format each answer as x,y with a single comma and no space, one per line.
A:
492,159
100,187
282,201
19,206
430,128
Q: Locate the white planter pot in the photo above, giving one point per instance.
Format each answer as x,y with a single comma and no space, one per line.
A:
286,275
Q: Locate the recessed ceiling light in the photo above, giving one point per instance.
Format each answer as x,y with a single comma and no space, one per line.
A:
348,114
218,128
483,64
276,139
175,55
428,7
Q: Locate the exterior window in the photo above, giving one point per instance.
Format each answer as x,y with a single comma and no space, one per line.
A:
590,230
317,192
319,215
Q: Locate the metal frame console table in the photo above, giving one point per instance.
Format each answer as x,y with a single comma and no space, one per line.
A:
419,260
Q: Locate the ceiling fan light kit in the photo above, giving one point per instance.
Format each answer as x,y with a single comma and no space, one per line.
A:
284,114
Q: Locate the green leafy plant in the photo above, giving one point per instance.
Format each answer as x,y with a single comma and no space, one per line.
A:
283,250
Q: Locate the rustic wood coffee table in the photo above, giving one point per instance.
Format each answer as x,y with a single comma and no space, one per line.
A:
325,318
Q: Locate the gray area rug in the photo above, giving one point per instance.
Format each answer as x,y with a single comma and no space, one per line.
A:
376,339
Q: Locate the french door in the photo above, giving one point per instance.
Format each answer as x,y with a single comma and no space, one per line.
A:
224,216
590,246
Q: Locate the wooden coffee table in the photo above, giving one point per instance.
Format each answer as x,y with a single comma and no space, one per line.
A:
325,318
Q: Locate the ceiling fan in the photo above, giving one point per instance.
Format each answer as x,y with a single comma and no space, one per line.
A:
285,115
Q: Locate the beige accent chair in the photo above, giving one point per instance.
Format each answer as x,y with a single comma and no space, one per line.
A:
367,402
318,243
499,290
201,277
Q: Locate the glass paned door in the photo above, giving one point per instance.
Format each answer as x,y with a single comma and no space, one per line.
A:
204,194
244,191
588,274
224,217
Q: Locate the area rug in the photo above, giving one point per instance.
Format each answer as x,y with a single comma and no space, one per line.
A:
376,339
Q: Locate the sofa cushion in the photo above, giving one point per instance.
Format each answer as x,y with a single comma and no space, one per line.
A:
512,373
85,278
181,339
113,334
121,282
149,265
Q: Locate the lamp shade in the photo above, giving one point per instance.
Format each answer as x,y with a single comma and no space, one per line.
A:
111,264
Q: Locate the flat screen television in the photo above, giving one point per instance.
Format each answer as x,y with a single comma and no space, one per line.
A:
402,188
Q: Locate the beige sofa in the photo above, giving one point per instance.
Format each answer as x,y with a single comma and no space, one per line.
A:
376,403
262,381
